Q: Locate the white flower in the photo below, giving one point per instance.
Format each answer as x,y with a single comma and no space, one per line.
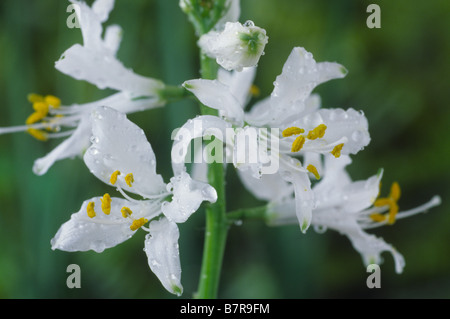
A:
351,207
121,156
96,63
236,46
308,131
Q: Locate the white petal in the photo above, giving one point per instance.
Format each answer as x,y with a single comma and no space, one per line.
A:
90,25
370,247
261,113
218,96
82,233
349,127
113,37
304,196
73,146
124,103
161,247
239,83
188,194
300,75
270,187
119,144
192,129
101,68
334,177
102,8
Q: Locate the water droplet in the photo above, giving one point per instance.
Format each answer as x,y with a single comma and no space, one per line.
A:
94,139
93,151
249,23
238,222
357,136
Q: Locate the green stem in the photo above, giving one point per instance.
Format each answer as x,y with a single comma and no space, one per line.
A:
216,219
259,212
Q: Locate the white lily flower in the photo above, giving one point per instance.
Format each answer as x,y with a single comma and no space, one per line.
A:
307,130
121,156
236,46
350,208
96,63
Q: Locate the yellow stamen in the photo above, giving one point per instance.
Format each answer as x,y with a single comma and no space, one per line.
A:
337,150
113,178
254,90
382,202
129,179
53,101
90,209
298,144
41,107
395,191
313,169
126,212
318,132
34,117
138,223
292,131
38,134
393,210
106,204
378,218
33,98
390,201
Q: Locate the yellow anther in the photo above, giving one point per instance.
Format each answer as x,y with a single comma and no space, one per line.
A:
53,101
34,117
292,131
318,132
90,209
113,178
126,212
254,90
313,169
129,179
390,201
106,204
33,98
395,191
38,134
393,210
41,107
298,144
382,202
378,218
337,150
138,223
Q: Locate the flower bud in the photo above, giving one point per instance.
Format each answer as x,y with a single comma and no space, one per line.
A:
236,46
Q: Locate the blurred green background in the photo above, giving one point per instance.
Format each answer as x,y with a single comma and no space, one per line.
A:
398,75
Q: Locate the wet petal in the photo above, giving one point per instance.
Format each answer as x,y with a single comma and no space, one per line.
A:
101,68
161,247
205,125
270,187
304,197
73,146
120,145
217,95
188,194
239,83
82,233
